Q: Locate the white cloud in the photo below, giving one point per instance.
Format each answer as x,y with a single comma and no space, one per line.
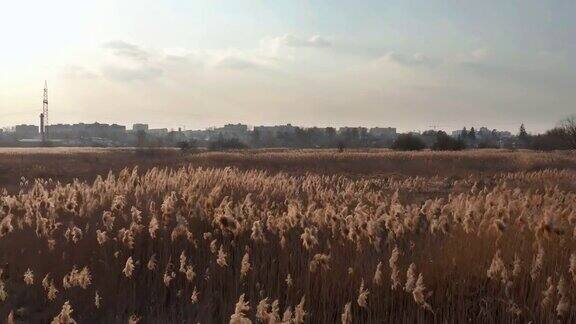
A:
119,73
127,50
235,63
78,72
288,40
479,54
132,62
475,56
313,41
417,59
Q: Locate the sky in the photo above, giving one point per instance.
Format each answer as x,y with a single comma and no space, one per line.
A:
194,64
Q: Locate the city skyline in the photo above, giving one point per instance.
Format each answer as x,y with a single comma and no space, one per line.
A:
208,63
242,136
132,126
181,126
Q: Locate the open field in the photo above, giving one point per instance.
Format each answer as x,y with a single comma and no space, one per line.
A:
65,164
277,236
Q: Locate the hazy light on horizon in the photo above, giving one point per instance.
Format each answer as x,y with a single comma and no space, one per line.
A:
174,63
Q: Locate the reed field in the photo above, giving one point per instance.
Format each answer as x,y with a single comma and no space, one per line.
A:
280,236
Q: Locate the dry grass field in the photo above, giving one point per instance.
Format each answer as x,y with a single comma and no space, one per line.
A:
276,236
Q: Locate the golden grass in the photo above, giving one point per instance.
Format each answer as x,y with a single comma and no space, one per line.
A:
316,244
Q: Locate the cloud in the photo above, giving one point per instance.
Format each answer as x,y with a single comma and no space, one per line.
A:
239,60
316,41
78,72
131,62
235,63
476,56
127,50
479,54
118,73
533,77
135,64
416,59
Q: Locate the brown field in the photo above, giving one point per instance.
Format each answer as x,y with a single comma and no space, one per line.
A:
278,236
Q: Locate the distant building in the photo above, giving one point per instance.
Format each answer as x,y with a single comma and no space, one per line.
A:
353,130
197,134
26,131
235,128
97,130
274,130
158,132
139,127
176,136
239,131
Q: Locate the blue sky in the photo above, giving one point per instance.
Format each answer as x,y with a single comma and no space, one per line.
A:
175,63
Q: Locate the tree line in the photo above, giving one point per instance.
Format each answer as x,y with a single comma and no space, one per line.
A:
561,137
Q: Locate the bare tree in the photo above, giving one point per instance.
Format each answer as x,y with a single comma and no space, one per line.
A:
569,126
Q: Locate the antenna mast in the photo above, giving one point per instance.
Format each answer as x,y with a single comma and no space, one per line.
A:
45,108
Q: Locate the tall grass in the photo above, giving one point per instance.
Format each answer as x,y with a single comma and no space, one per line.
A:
217,245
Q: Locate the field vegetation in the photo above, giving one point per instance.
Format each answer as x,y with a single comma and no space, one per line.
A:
287,237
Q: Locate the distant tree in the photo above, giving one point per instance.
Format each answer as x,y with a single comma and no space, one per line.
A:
446,143
489,140
558,132
568,125
562,137
186,146
408,142
226,144
330,132
363,137
331,137
255,138
170,137
428,137
554,139
341,146
303,137
522,131
354,134
523,136
472,134
488,143
463,133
